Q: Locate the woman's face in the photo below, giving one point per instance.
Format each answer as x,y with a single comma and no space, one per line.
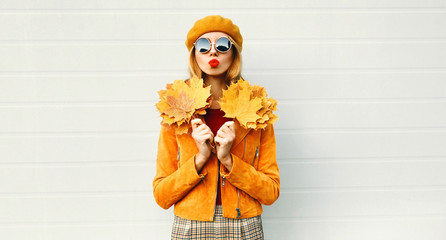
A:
214,63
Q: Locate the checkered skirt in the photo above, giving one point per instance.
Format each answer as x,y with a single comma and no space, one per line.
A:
220,228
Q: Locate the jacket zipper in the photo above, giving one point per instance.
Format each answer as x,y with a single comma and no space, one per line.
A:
239,214
216,192
255,156
238,204
202,179
178,157
223,183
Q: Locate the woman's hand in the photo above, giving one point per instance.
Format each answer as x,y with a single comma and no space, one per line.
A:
202,135
224,139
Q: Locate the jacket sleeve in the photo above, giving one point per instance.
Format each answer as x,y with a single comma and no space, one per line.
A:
262,183
172,183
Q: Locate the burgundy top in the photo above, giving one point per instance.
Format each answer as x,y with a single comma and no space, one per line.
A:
215,119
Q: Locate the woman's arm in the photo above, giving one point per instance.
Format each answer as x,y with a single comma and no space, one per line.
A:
171,182
262,183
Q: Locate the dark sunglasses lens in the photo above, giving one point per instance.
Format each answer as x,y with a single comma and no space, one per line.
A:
223,44
202,45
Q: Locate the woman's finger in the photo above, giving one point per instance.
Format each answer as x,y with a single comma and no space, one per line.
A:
203,131
227,127
202,137
230,125
196,123
221,140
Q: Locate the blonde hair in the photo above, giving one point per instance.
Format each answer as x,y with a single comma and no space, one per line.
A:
234,71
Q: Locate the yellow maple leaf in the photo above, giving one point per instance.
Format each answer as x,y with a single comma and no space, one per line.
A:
273,104
258,91
199,93
272,118
181,100
236,102
179,106
167,120
248,104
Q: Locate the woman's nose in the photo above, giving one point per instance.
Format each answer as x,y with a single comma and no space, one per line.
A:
213,51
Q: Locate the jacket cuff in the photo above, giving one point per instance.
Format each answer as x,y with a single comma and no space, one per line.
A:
190,170
238,171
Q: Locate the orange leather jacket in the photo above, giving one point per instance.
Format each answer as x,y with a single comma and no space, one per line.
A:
253,180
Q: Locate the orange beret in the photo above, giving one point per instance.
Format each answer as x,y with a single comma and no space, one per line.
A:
213,23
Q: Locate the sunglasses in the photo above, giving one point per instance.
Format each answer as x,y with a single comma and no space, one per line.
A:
203,45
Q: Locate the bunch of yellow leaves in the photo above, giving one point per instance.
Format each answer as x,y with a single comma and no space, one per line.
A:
249,105
181,101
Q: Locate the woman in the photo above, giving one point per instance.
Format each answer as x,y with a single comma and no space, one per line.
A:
220,173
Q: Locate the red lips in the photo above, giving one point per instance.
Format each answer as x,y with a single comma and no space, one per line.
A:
214,63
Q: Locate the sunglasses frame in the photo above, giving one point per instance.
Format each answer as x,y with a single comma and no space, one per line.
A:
213,44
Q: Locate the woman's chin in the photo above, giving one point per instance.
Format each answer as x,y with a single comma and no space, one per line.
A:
214,72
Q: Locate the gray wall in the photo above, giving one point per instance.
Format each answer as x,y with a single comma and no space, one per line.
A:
361,138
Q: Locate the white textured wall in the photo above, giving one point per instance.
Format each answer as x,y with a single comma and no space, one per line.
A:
361,138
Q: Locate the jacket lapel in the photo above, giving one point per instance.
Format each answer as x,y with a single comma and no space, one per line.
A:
240,134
